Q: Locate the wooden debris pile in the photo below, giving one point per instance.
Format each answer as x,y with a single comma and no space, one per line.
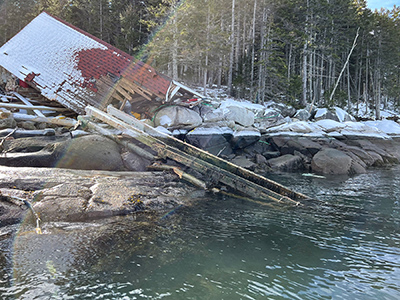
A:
27,104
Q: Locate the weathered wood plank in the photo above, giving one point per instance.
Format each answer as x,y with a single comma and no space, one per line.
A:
193,180
27,103
67,122
32,107
134,88
124,93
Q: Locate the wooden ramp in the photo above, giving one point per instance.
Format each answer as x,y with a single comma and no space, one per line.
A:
218,171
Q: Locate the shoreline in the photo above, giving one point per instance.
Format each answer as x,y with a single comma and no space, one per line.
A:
71,195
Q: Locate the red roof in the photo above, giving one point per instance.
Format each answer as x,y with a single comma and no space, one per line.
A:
66,63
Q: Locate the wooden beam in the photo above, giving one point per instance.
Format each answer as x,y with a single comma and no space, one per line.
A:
118,97
134,88
28,104
106,89
124,93
173,93
193,180
32,107
187,89
67,122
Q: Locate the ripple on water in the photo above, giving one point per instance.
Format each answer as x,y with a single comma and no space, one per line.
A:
223,248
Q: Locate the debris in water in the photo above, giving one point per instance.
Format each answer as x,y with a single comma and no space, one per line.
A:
313,175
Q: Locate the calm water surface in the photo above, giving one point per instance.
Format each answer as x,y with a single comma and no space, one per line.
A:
224,248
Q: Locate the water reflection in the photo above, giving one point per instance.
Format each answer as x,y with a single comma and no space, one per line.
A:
223,248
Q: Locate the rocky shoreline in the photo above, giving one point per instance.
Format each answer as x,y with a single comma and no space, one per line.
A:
68,195
70,175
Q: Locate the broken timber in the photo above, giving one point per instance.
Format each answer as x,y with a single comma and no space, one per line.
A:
215,168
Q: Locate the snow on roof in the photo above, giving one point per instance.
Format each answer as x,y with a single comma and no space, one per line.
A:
69,65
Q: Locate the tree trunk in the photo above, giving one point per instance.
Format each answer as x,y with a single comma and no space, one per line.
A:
253,39
348,90
378,81
206,59
231,55
262,62
304,75
345,64
175,51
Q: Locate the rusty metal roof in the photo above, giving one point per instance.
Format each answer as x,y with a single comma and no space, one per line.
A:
73,67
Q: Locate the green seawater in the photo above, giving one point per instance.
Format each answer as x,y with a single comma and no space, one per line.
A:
224,248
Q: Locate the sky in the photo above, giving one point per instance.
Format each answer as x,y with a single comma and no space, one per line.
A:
372,4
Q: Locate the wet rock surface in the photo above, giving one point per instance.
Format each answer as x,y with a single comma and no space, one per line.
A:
88,152
331,156
331,161
62,195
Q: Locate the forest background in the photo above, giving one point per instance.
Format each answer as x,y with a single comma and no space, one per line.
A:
299,52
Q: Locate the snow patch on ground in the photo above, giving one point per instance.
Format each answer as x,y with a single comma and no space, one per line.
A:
211,131
321,112
387,126
328,125
225,104
247,133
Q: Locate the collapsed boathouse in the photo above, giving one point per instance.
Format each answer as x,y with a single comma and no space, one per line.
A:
76,69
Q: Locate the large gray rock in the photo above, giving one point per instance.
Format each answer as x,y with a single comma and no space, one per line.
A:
391,146
269,118
363,155
377,148
214,140
287,163
288,145
324,113
244,162
239,115
331,161
177,117
92,152
303,145
286,111
68,195
343,115
134,162
299,127
7,120
210,114
302,115
244,138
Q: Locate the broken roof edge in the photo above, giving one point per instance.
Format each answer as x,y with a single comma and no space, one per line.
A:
179,86
182,86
